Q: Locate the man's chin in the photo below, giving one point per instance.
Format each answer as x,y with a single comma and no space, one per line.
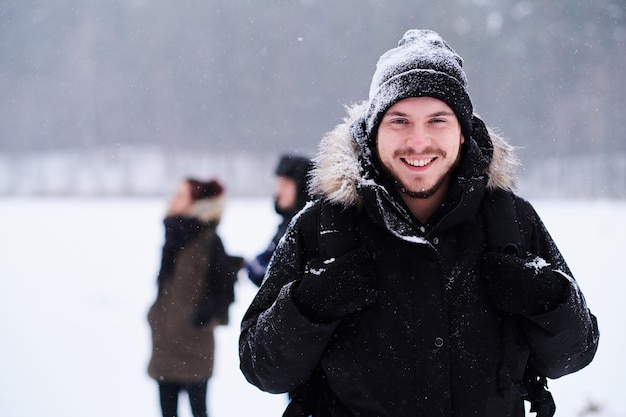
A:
422,192
419,194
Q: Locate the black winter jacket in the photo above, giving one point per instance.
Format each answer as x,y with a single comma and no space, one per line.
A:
431,344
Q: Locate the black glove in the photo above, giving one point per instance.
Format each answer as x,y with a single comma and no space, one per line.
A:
332,290
522,286
200,317
208,311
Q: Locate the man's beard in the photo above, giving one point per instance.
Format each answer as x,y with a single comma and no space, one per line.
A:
284,212
424,194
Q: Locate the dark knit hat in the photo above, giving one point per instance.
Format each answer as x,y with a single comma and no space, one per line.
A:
423,65
292,166
297,168
201,190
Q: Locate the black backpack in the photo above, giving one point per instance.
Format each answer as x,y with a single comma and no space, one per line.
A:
219,288
503,234
336,235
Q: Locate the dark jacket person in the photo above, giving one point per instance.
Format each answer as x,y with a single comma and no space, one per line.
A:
411,322
289,198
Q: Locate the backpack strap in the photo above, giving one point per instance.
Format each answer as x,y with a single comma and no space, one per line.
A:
332,234
337,231
541,400
503,234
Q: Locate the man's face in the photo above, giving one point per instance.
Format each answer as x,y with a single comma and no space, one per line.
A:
286,190
419,141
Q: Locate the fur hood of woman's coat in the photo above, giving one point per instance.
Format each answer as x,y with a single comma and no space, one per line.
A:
339,169
207,210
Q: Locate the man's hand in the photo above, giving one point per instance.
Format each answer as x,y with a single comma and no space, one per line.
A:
332,289
522,286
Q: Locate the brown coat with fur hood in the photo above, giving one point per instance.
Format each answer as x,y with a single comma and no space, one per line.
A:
182,352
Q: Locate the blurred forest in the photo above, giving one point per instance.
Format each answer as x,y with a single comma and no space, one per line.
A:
123,97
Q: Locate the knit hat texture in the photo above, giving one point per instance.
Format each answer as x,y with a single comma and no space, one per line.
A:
293,166
422,65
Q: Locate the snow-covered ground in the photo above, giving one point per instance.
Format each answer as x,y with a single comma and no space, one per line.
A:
77,277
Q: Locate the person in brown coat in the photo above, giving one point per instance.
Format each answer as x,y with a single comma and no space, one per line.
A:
195,289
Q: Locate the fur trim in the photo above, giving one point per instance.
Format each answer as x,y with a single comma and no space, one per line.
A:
336,174
504,163
336,169
208,209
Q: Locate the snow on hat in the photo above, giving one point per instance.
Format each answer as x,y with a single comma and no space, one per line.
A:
422,64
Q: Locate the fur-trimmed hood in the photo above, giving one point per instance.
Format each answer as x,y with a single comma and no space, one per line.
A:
338,169
208,210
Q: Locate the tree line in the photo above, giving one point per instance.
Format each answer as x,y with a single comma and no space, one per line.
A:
220,76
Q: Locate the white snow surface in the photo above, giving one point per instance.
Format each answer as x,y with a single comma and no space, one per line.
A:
78,276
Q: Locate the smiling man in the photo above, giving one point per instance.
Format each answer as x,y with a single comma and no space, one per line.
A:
419,143
387,296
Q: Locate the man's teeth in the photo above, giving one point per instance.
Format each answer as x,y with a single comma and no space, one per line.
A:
418,162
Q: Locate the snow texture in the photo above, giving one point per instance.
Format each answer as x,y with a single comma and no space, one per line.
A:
537,263
78,275
418,49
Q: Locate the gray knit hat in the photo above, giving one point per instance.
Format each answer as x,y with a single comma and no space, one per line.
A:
422,65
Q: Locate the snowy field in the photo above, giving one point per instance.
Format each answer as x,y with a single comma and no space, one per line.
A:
77,277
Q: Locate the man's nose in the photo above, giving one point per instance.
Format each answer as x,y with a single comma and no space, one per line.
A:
418,137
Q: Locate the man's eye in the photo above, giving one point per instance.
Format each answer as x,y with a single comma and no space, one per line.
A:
398,121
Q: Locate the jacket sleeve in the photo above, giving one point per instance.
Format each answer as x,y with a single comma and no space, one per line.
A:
564,340
278,346
256,267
